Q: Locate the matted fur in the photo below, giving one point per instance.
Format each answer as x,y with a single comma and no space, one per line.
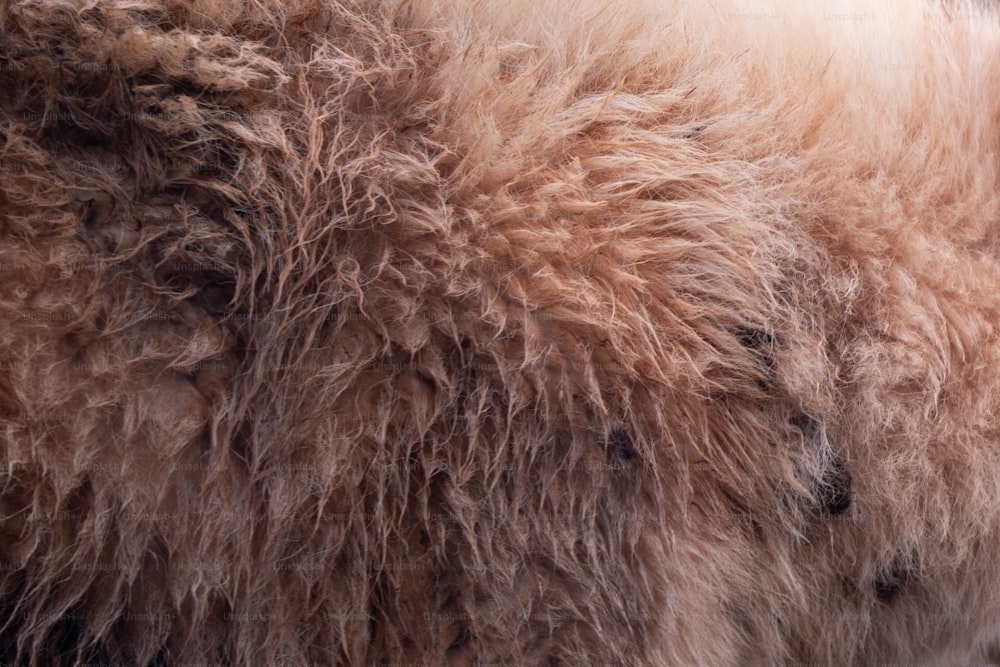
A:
517,332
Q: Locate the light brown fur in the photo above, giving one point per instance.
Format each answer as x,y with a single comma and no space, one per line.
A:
524,332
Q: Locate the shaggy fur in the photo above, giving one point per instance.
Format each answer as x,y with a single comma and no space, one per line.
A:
523,332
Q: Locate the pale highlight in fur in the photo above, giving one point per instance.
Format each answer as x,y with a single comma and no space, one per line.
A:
521,332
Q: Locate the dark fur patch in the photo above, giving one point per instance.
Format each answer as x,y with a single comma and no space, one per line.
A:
761,343
834,493
463,639
620,444
833,489
806,424
893,579
758,340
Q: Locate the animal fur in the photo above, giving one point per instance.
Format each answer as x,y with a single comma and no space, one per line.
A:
513,332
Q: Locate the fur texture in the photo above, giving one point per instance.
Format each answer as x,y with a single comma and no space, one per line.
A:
527,332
